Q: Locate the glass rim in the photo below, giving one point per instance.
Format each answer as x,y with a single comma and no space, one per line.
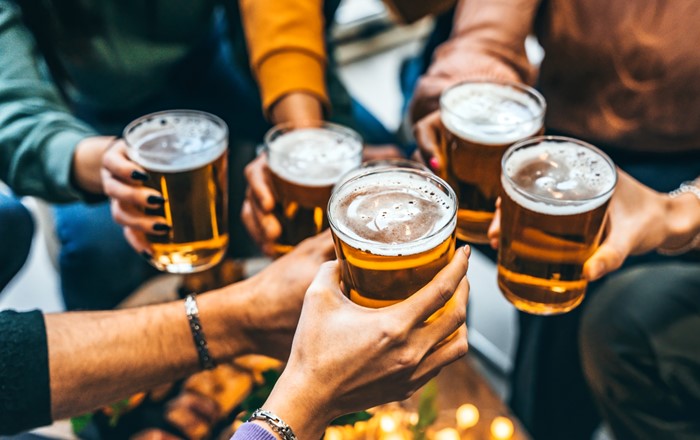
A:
531,92
535,140
282,128
177,112
452,221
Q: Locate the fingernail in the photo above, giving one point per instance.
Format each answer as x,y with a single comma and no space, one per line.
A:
155,200
161,227
467,249
433,163
146,255
138,175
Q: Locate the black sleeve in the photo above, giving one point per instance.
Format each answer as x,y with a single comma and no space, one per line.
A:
25,396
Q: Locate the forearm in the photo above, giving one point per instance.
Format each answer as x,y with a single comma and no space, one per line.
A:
297,107
96,358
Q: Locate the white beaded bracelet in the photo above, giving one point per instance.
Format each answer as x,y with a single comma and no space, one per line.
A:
694,243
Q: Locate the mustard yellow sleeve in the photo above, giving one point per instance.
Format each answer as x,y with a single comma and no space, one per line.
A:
286,42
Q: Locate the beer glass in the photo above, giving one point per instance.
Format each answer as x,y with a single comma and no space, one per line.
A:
556,192
305,163
481,120
394,230
184,153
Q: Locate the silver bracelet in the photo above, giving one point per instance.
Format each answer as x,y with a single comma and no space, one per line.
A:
200,342
694,243
275,423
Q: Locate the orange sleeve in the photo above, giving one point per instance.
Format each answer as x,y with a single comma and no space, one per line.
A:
286,42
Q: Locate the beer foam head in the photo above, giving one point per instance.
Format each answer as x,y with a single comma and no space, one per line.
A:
491,113
176,141
558,177
393,212
314,156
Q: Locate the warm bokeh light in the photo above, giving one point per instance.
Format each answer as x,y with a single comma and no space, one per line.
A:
413,418
387,423
447,434
333,433
502,428
467,416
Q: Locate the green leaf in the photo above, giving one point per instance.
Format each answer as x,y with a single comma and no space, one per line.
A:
352,418
259,395
79,423
427,410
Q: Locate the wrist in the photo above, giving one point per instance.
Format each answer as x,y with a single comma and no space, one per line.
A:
300,404
683,221
296,107
223,318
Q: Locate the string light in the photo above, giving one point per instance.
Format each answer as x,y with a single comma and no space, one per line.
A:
467,416
502,428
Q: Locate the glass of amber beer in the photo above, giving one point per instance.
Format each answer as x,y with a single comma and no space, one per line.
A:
184,153
305,163
481,120
394,230
556,192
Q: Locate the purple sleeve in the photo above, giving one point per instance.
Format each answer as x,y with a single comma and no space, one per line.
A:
252,431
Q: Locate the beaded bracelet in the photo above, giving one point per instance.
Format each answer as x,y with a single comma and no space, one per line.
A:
200,342
694,243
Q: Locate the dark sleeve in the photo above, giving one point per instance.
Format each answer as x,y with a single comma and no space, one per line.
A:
25,400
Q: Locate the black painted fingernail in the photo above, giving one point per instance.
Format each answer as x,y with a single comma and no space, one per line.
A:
155,200
146,255
138,175
161,227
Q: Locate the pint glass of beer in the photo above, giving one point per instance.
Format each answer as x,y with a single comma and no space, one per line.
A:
555,197
184,153
481,120
305,163
394,230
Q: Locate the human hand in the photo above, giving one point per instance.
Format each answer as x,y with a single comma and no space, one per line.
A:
427,132
257,211
276,295
87,163
641,220
123,182
347,358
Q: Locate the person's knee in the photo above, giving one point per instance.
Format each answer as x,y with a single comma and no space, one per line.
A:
16,232
615,328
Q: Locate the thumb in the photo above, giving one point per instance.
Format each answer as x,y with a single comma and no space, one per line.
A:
608,258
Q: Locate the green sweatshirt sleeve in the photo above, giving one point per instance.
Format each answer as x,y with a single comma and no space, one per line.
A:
38,133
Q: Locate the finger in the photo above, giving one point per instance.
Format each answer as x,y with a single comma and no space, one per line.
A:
455,348
421,305
119,165
608,258
494,233
138,196
137,240
268,223
250,222
204,407
259,183
427,134
452,317
127,215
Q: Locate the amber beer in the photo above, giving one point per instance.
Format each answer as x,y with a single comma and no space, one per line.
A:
394,230
555,196
481,120
305,163
184,153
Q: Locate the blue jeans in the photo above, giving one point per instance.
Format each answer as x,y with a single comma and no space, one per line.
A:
16,232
